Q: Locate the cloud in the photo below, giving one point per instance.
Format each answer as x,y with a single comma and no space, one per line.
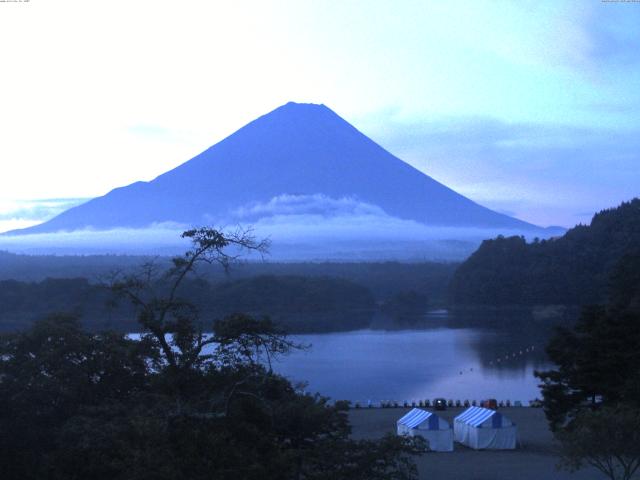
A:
300,227
24,213
613,37
150,131
38,209
317,204
544,173
293,238
157,239
314,217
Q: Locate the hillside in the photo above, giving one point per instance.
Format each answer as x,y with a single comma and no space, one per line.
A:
300,304
383,279
572,269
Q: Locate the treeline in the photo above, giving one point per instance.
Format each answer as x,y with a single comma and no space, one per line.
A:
574,269
34,268
383,279
299,304
22,303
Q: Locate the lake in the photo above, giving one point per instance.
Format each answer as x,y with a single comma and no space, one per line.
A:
496,360
458,355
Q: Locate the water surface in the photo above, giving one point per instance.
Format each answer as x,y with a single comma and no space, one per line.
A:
418,363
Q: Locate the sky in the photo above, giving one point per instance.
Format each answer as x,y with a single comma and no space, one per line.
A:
531,108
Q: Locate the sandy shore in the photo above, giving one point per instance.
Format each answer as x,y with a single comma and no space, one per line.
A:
535,459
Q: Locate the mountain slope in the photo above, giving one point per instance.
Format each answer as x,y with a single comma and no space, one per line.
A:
298,150
572,269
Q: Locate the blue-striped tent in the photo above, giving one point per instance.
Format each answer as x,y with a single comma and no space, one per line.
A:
434,429
482,428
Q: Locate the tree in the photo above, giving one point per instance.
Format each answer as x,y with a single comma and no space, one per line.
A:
53,373
573,269
179,403
592,398
165,316
598,362
625,282
276,431
607,439
406,306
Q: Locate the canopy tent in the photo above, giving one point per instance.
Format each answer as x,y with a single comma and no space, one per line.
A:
481,428
434,429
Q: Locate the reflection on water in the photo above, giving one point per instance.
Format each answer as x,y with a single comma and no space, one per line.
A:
458,355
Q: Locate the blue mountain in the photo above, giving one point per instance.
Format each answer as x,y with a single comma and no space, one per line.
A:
297,150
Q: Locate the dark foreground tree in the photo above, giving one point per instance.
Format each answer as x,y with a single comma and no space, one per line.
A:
176,403
167,319
592,397
598,362
607,439
53,373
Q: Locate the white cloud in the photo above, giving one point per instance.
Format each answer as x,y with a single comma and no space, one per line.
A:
16,214
318,204
300,227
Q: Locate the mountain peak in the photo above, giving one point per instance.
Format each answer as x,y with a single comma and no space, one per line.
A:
303,105
302,112
300,149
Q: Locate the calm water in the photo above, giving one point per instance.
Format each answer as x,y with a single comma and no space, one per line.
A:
457,356
414,364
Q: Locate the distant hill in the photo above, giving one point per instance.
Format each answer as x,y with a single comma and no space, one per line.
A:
573,269
299,159
383,279
300,304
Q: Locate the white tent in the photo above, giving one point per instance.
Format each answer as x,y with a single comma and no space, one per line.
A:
434,429
482,428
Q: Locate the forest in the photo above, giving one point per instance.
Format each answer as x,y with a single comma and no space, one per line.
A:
383,279
79,405
297,303
570,270
299,297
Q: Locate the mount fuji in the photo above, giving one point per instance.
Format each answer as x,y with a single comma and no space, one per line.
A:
294,169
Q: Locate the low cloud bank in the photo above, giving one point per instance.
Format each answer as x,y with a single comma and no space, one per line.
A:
317,204
301,227
15,214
